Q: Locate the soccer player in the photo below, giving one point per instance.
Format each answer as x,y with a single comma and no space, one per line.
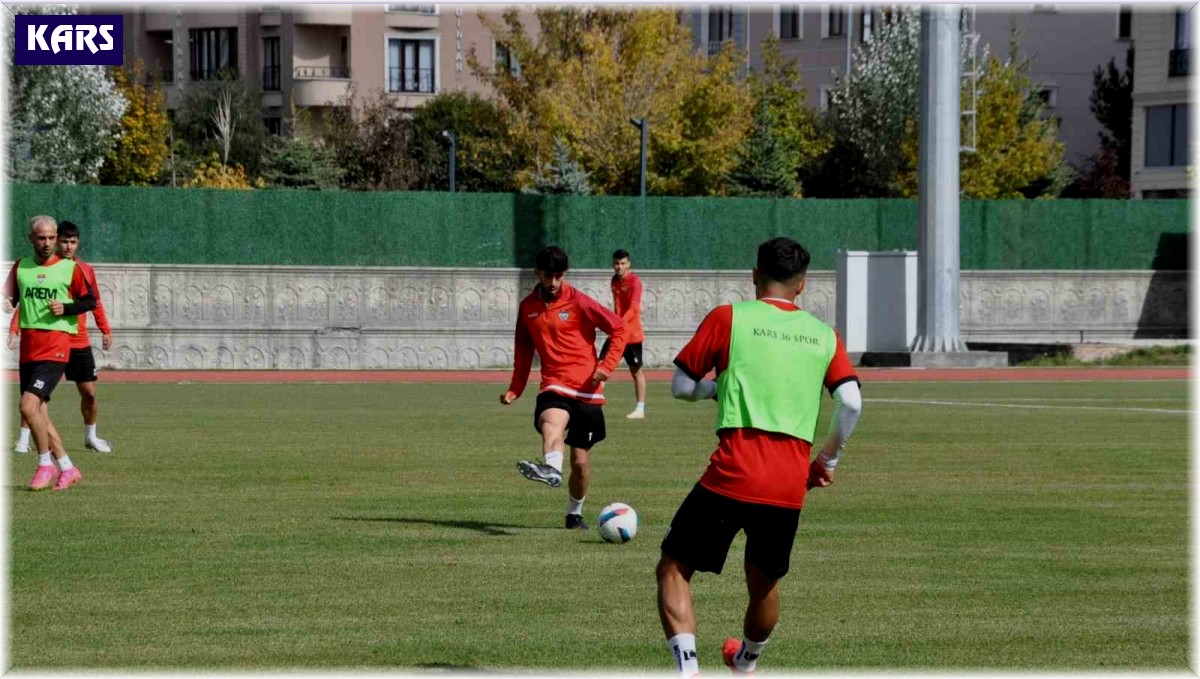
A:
627,302
559,323
771,359
81,365
52,292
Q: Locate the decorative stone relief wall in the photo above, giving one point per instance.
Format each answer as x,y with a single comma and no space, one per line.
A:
244,317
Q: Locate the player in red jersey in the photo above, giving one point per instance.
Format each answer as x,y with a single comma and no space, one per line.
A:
771,360
52,292
558,323
627,302
81,366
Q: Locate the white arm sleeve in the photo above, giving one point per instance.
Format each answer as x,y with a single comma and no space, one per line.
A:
845,416
687,389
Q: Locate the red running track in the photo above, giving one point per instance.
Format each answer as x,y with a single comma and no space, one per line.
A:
501,377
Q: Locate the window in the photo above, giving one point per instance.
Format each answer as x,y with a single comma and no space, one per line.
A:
824,93
507,61
411,66
1049,96
720,24
1125,22
836,21
213,50
1182,39
271,62
413,9
866,24
790,26
274,125
1167,136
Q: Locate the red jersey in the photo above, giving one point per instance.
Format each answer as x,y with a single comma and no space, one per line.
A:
81,340
563,333
627,302
749,464
50,345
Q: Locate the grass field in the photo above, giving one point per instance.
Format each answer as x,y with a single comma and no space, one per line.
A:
340,526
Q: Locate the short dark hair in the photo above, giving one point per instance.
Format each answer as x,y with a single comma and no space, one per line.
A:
68,229
782,259
551,259
620,254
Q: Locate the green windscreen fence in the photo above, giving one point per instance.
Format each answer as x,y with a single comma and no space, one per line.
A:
337,228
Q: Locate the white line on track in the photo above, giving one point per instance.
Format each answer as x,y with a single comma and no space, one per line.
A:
1028,406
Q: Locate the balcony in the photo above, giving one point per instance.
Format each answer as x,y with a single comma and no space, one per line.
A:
320,85
411,80
322,15
158,20
411,16
1180,65
271,15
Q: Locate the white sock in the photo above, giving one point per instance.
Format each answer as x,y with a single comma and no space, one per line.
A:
44,459
747,656
683,647
641,407
23,437
554,458
89,431
575,506
64,464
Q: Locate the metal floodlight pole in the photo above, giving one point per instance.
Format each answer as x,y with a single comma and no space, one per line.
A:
453,148
642,125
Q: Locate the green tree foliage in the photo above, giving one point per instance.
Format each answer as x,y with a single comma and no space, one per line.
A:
486,153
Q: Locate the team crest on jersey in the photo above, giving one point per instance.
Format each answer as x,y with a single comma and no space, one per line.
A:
41,278
564,315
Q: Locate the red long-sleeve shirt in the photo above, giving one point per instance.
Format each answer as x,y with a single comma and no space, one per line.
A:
81,340
627,302
563,333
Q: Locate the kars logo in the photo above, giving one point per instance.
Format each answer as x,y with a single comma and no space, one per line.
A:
69,40
563,315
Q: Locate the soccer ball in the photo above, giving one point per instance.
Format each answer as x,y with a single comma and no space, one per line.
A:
618,523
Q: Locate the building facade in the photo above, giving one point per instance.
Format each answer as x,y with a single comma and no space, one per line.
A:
1161,142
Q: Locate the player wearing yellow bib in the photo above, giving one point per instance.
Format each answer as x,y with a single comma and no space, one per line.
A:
772,360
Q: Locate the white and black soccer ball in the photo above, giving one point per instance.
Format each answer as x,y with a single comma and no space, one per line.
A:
618,523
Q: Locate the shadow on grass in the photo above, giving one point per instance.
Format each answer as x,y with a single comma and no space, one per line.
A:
481,526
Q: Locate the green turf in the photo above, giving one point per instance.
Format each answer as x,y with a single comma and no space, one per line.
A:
337,526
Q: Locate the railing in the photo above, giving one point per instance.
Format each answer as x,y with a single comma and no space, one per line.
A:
317,72
1180,63
410,80
211,73
270,79
715,46
165,76
412,9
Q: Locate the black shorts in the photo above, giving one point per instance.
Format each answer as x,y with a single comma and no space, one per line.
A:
81,367
586,426
40,377
632,355
707,522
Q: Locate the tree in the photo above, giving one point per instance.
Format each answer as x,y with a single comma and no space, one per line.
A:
300,162
768,165
591,70
563,176
778,87
63,119
870,113
143,146
1107,172
487,158
223,115
213,173
372,141
1017,152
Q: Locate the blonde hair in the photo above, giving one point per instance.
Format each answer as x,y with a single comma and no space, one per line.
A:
34,222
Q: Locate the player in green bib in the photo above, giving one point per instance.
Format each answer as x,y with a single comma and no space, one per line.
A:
51,292
772,360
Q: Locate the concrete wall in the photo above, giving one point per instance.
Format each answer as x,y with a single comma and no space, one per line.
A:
190,317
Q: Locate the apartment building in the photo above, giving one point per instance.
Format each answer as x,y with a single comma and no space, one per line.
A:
1161,141
1062,43
315,56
